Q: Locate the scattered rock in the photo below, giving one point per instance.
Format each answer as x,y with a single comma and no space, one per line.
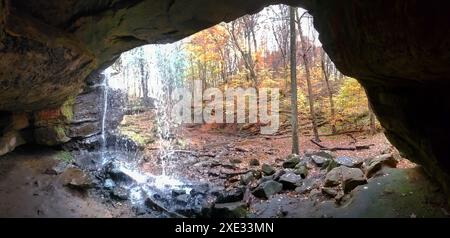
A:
331,192
290,180
348,177
10,140
182,199
200,189
351,178
177,192
323,153
119,193
267,169
57,169
254,162
377,163
333,177
318,160
291,161
301,170
109,184
154,204
229,210
330,165
349,162
247,178
265,179
233,195
117,174
307,186
77,179
276,176
267,189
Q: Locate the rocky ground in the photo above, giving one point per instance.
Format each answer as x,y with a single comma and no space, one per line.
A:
220,173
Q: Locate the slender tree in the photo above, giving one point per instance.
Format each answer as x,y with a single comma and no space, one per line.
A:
293,58
305,51
326,75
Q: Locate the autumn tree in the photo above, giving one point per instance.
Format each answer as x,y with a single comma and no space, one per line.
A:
326,70
305,48
293,61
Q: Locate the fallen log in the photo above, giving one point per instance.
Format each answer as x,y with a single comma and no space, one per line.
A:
353,148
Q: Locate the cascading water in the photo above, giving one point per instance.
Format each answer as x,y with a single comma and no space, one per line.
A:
156,62
103,148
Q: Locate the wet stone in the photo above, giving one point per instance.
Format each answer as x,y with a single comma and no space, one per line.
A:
348,162
318,160
119,193
229,210
267,189
290,180
182,199
291,161
177,192
267,169
109,184
233,195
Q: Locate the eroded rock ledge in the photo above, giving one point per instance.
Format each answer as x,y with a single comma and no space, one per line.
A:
399,50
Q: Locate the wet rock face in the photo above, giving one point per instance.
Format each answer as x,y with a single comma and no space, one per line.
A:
396,49
399,51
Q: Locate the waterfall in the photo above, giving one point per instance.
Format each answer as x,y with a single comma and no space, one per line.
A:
103,148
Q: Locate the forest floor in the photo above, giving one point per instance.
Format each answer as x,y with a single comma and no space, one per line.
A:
221,155
33,184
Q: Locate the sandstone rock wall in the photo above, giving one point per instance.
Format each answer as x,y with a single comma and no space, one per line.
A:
399,50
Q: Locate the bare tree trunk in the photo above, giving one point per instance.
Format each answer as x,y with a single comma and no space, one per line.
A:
326,75
373,128
294,115
144,81
308,79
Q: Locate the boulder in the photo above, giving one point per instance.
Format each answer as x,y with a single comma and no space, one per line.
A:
276,176
318,160
200,189
77,179
330,165
267,189
10,140
117,174
377,163
177,192
331,192
119,193
59,168
349,162
247,178
291,161
182,199
229,210
233,195
323,154
267,169
307,186
290,180
301,170
333,178
109,184
348,177
351,178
